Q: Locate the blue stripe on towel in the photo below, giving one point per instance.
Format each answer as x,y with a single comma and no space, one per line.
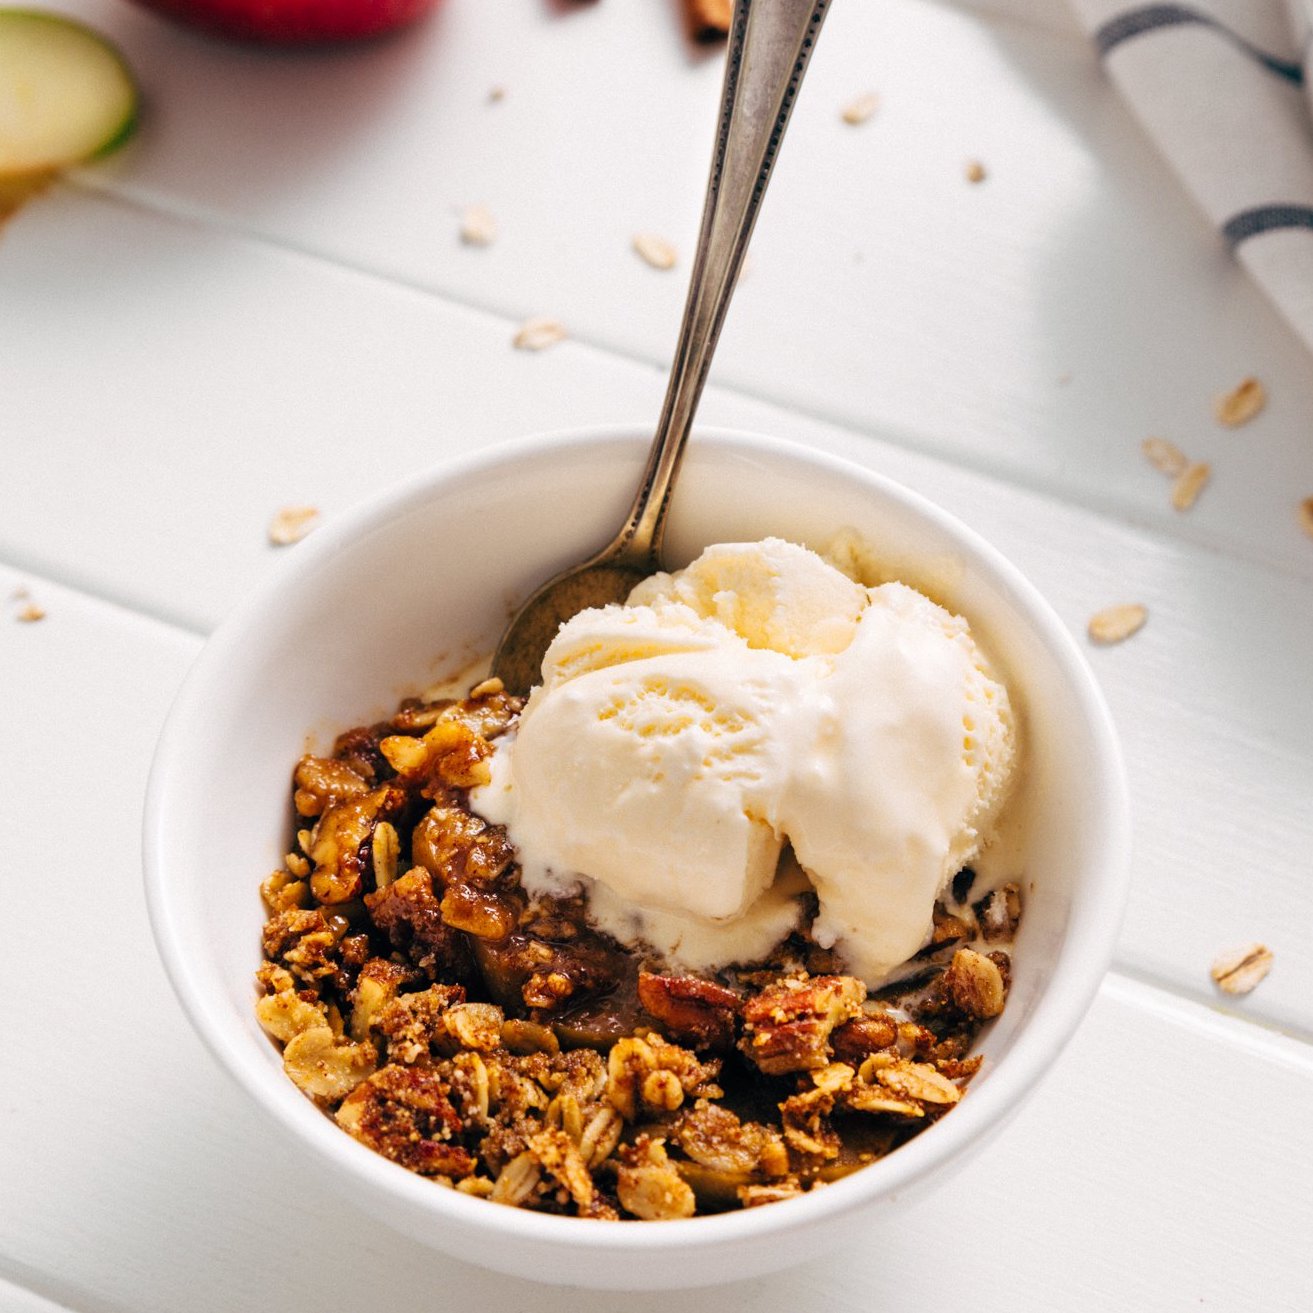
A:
1148,18
1266,218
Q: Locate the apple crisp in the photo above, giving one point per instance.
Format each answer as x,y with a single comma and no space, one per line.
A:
504,1047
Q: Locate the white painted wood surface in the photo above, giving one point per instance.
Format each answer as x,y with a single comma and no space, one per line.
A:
264,302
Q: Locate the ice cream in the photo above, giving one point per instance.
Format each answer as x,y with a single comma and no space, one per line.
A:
758,697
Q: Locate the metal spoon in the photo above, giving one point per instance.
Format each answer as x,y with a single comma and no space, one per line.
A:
770,44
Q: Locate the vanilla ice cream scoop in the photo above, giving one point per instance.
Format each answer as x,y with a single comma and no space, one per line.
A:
758,696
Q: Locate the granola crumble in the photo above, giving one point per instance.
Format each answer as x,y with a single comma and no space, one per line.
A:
503,1047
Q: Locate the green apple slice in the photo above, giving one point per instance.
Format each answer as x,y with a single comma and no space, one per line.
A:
65,93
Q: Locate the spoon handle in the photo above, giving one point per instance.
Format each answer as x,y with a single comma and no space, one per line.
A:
770,44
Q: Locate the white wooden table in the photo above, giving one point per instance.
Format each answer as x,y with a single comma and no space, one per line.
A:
264,301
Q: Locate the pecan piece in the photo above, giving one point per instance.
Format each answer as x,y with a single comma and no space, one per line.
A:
696,1011
787,1026
460,848
321,783
863,1035
342,846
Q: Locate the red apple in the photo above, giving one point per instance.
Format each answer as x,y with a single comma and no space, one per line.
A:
293,22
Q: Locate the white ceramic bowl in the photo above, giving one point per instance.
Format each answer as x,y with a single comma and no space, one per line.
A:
411,586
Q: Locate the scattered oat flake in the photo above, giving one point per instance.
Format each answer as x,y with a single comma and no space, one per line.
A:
1241,404
1306,516
1238,971
1189,484
1165,456
656,251
539,334
31,613
975,171
291,524
477,226
1115,623
860,110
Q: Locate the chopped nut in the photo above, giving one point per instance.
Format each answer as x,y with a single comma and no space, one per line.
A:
1241,404
291,524
787,1026
496,95
690,1009
404,753
860,110
1164,456
320,783
655,251
975,171
1306,516
1188,486
489,688
477,226
282,892
342,834
1115,623
1238,971
862,1036
975,984
539,334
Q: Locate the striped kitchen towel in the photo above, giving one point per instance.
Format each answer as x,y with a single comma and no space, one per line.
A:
1225,89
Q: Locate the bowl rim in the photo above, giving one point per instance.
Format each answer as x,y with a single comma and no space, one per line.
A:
1083,959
